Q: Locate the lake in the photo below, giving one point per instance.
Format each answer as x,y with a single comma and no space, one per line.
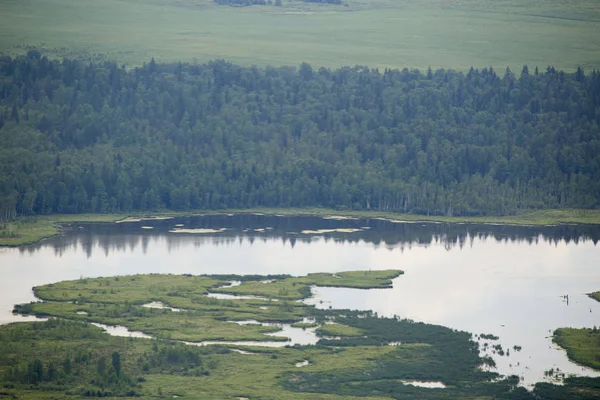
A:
503,280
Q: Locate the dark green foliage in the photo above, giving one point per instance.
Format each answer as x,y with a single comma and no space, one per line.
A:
30,354
26,308
100,138
101,366
489,336
116,362
35,372
58,355
67,366
426,353
446,345
438,354
575,388
177,358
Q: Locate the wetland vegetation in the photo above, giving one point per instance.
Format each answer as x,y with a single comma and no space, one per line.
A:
358,353
119,300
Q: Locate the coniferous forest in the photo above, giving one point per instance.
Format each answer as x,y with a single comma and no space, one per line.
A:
81,137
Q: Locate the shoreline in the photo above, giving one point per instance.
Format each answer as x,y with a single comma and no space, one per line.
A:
33,229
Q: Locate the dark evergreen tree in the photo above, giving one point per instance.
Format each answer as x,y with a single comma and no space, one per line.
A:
100,138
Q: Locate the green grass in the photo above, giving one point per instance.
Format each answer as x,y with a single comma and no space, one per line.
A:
137,289
582,345
304,325
595,296
118,300
186,326
297,288
28,230
380,33
336,329
257,376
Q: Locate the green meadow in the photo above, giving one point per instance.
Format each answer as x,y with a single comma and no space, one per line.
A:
380,33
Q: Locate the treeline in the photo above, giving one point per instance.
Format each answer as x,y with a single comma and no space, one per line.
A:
79,137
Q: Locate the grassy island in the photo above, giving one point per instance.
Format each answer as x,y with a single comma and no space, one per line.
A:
582,345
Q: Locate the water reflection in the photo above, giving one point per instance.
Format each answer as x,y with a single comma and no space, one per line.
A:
503,280
224,230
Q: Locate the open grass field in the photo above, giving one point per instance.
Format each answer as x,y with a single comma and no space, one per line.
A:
381,33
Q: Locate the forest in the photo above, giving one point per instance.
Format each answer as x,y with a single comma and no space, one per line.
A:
81,137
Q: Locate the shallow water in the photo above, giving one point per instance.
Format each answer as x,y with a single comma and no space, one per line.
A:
122,331
158,305
425,384
225,296
514,292
302,364
299,336
508,281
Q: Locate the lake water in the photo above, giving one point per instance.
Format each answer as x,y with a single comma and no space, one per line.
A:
502,280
